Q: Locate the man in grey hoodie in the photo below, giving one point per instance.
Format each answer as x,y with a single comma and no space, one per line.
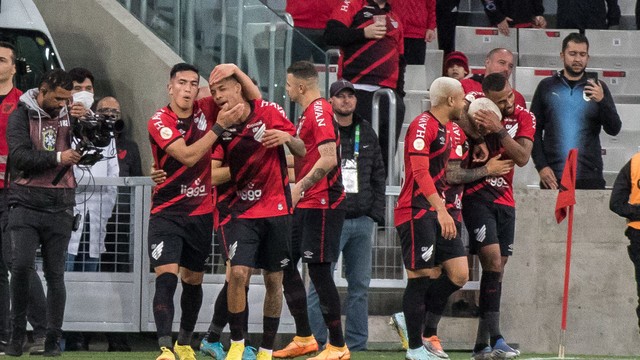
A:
41,212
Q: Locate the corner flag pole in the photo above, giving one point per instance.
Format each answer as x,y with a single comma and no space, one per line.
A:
565,296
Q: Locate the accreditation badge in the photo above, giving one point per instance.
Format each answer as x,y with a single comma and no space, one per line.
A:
350,175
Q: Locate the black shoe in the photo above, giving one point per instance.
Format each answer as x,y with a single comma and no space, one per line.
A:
52,346
13,349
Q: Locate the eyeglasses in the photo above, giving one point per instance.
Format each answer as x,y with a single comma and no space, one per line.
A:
111,112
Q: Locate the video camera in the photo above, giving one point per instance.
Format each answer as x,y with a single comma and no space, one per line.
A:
93,132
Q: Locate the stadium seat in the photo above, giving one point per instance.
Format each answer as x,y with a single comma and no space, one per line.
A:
614,49
623,84
528,78
476,42
541,48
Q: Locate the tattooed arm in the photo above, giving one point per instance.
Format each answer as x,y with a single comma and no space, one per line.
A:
456,174
328,160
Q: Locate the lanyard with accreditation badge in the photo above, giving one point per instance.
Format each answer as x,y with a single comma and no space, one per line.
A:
350,167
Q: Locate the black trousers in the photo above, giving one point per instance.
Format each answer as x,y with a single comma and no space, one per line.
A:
634,255
447,21
30,229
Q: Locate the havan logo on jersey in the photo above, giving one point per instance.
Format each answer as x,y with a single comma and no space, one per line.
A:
249,193
194,190
497,181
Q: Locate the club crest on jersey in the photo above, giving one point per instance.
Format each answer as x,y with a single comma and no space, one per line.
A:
166,133
49,136
418,144
201,122
258,132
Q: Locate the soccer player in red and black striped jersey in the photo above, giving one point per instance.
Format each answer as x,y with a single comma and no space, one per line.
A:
488,206
371,59
259,230
425,227
180,226
499,60
452,280
318,217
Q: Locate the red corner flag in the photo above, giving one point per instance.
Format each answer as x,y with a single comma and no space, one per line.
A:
567,194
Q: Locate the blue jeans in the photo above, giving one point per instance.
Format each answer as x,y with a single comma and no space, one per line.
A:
355,244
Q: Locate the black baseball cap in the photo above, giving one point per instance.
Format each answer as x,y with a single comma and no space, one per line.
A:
340,85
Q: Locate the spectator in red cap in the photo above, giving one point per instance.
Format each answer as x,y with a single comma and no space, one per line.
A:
456,65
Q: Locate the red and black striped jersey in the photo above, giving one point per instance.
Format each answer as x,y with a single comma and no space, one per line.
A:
317,127
426,140
259,173
187,190
373,62
459,152
223,193
473,90
499,189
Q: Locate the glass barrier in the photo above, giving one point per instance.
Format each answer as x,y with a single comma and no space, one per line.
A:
245,32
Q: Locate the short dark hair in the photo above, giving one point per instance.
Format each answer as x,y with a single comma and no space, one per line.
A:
78,74
494,82
57,78
303,70
576,38
8,45
182,67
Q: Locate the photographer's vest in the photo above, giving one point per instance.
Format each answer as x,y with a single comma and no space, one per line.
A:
7,106
53,135
634,196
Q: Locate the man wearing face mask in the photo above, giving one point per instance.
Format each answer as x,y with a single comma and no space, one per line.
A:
97,201
40,213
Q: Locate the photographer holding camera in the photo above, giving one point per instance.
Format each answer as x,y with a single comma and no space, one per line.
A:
40,214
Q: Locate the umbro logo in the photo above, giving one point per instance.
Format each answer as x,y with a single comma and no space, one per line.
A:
308,254
284,262
427,252
157,250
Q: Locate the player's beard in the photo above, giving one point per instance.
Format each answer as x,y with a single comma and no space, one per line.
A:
569,70
343,113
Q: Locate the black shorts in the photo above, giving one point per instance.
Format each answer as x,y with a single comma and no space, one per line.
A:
489,223
418,237
316,235
260,243
180,239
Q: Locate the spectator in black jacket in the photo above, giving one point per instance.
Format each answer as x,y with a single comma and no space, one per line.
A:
588,14
363,177
504,14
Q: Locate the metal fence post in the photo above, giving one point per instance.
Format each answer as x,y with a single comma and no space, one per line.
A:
391,165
